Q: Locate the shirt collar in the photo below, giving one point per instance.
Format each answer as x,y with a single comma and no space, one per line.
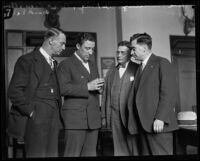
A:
125,65
144,62
80,58
44,53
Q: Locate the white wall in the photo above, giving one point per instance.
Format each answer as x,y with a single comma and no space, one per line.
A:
94,19
158,21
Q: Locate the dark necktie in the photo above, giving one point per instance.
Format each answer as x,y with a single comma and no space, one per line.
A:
121,66
55,72
140,69
54,64
138,76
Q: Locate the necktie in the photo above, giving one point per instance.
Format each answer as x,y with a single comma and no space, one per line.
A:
121,66
51,62
141,69
138,76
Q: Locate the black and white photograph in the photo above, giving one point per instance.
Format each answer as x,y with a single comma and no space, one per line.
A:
100,80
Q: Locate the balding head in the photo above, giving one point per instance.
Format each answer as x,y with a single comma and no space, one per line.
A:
52,32
54,41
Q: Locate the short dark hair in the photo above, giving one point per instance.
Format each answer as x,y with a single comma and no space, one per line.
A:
124,43
52,32
84,37
142,38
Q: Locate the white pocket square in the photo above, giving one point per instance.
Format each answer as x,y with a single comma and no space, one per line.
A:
131,78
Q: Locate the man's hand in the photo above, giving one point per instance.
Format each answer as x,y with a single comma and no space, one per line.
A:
158,125
95,84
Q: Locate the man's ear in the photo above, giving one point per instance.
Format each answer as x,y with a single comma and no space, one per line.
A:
145,48
78,46
50,41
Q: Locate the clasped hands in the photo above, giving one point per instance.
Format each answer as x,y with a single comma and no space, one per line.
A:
96,84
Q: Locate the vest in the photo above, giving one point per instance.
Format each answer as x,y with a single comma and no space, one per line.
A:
48,89
115,91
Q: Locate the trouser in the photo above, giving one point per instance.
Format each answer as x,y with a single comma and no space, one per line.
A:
80,142
119,133
156,143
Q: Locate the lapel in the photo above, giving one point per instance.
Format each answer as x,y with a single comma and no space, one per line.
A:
81,67
40,64
148,69
93,71
112,74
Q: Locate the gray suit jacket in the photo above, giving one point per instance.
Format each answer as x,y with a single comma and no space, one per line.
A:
126,85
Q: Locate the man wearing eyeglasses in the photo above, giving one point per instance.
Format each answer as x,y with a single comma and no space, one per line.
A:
118,82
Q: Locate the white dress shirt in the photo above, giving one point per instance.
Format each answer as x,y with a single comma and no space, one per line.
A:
122,70
47,57
144,62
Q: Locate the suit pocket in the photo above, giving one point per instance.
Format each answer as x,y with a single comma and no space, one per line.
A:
74,107
16,125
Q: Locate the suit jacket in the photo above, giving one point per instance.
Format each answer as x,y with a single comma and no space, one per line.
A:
81,107
28,72
126,85
155,96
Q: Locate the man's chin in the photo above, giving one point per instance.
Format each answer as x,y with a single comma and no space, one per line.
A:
56,54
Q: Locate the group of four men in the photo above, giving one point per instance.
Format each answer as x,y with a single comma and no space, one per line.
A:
137,100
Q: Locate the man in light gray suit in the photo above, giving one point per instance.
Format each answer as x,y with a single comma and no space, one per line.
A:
118,82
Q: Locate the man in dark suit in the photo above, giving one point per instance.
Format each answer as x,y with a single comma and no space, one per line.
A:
118,82
80,86
152,100
35,97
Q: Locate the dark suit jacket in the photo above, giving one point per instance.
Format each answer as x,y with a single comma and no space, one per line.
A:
28,72
81,107
129,76
155,96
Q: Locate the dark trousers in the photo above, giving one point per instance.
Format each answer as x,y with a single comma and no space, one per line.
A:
119,135
156,144
41,139
80,143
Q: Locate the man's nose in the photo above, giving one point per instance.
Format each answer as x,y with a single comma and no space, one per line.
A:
91,52
63,47
132,52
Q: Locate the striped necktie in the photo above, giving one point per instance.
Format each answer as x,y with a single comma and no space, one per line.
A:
51,62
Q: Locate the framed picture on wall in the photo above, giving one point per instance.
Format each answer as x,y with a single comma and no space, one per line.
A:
106,64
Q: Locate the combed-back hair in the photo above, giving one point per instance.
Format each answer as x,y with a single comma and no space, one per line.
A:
124,43
82,37
52,32
142,38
